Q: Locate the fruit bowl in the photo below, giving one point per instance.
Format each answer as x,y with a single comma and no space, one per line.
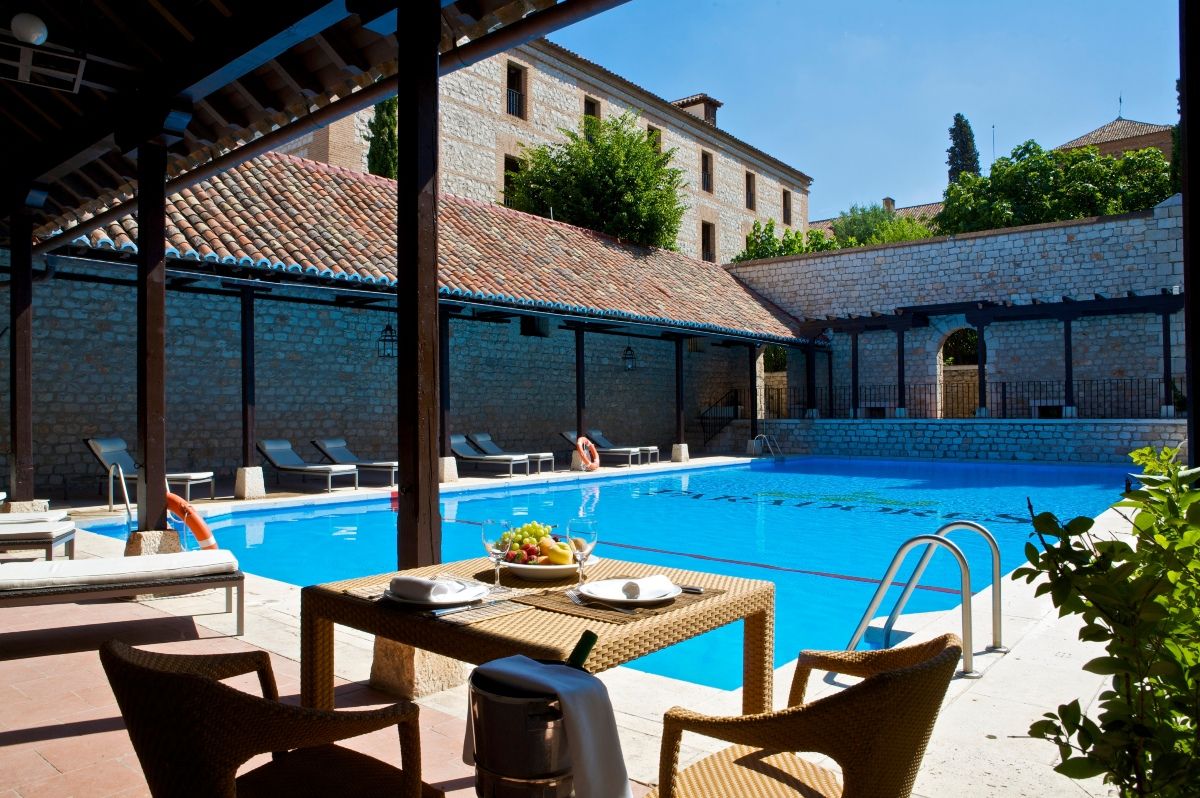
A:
546,573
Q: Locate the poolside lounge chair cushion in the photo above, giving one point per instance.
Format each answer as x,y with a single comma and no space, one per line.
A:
115,570
339,452
460,447
48,517
34,531
572,436
282,455
488,446
114,451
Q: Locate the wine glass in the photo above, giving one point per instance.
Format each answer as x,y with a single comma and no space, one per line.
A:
494,542
582,535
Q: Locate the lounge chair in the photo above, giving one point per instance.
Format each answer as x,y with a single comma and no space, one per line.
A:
648,452
28,584
335,451
628,452
464,451
113,453
483,441
192,733
875,730
42,536
283,458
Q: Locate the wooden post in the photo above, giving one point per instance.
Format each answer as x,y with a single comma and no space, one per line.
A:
418,521
444,384
1168,377
810,381
680,433
829,376
152,337
854,374
752,351
901,393
981,353
248,401
1188,38
1068,369
20,364
580,386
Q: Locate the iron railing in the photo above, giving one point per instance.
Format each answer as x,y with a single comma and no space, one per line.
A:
720,413
706,181
516,103
1099,398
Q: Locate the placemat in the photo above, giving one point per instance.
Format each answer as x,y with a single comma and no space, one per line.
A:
496,609
557,601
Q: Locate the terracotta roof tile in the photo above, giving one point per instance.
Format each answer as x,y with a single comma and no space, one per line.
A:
283,213
1114,131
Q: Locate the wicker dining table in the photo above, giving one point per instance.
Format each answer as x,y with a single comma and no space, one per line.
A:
541,632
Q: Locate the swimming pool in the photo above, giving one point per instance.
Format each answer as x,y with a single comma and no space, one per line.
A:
823,529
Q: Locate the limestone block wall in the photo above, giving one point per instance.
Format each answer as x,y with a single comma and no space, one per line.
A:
1138,252
319,375
1076,441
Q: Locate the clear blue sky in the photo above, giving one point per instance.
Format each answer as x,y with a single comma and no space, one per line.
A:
859,94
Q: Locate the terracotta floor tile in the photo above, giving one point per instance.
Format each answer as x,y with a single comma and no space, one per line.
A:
98,781
21,766
85,750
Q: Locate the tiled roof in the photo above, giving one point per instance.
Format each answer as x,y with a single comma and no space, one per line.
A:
1114,131
285,214
692,99
926,211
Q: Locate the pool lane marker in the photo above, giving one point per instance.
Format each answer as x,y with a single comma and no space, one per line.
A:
710,558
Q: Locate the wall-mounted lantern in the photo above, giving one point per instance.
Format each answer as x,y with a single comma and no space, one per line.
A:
630,358
386,345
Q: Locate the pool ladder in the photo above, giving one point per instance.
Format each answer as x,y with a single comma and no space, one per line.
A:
931,542
770,445
115,470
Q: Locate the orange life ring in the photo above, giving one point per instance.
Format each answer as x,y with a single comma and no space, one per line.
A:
195,523
587,454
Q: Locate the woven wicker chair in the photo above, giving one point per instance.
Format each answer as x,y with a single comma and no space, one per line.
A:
191,732
875,730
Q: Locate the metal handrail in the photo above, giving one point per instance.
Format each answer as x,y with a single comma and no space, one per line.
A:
964,592
771,444
124,492
924,562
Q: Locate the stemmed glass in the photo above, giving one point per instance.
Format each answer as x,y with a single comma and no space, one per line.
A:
582,535
492,533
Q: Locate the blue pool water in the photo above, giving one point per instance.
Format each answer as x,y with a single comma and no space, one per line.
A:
826,526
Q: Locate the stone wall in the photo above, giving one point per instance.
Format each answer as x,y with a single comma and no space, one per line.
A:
1075,441
319,375
1138,252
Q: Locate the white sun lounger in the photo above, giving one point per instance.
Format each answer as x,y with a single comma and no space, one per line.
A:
335,451
483,441
648,452
28,584
38,535
283,458
628,452
464,451
114,452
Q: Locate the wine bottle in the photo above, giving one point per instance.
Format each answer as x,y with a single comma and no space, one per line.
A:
584,647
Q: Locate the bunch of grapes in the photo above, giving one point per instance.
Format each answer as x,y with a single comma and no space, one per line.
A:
521,544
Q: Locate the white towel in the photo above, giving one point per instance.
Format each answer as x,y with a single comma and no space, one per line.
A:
414,588
597,766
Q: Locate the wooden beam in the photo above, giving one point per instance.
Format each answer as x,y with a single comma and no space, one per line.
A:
249,405
680,426
20,364
1068,363
900,391
1168,378
418,522
981,355
152,337
444,384
1189,78
580,385
752,363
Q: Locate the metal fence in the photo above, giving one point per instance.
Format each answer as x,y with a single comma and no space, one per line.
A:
1103,398
516,103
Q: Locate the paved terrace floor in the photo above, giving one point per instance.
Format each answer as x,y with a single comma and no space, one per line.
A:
61,733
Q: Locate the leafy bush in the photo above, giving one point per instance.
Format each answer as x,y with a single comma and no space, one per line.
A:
864,225
608,176
1034,185
1141,600
761,242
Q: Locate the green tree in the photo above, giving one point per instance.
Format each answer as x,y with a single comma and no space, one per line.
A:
962,155
762,243
608,176
1033,185
382,147
864,225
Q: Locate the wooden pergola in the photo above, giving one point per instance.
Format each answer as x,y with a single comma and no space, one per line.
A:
124,105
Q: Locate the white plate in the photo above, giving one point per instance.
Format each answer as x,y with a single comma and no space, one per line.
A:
546,573
589,589
470,592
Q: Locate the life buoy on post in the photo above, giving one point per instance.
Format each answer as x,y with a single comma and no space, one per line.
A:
197,526
587,454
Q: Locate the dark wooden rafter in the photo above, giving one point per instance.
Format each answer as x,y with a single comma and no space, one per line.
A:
20,364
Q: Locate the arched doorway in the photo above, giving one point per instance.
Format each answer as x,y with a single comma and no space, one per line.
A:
958,374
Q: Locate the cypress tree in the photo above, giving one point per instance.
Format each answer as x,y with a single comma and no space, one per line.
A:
963,157
382,151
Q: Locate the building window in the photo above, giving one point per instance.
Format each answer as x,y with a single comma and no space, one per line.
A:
787,207
591,107
516,90
750,203
511,166
655,136
708,241
706,171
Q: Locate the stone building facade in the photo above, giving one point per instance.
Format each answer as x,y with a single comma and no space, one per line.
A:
557,87
1139,252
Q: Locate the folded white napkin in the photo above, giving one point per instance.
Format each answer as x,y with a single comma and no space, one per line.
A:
648,587
414,588
597,766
